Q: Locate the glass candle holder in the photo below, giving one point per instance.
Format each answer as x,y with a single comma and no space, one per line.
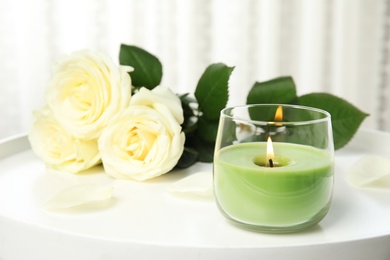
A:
273,166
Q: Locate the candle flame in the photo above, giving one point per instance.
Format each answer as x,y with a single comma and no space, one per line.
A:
279,114
270,150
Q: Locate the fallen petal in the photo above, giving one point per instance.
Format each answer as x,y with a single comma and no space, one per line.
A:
370,171
200,183
79,195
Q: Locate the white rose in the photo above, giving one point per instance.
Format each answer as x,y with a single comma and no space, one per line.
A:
87,89
160,96
141,143
57,148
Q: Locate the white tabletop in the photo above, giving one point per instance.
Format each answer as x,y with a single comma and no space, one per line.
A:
145,221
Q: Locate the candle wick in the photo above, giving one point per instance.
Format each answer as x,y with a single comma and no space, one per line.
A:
271,163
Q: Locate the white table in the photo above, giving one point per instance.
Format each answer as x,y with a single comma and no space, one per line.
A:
145,221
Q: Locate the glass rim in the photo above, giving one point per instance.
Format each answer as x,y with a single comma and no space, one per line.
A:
327,115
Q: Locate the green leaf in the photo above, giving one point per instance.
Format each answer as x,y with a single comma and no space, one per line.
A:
190,120
188,158
147,68
212,90
186,102
206,150
346,118
207,129
276,91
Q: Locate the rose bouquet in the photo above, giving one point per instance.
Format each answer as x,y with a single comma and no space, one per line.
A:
120,116
91,117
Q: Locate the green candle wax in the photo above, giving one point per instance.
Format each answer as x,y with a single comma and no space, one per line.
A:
297,191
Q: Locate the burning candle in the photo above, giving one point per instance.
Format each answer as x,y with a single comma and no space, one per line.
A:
273,187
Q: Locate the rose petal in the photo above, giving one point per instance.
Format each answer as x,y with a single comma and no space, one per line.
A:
160,95
140,143
200,183
79,195
370,171
58,148
87,89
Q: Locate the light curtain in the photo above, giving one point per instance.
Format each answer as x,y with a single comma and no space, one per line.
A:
340,46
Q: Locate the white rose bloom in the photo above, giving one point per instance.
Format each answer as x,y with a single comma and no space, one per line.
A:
141,143
87,89
160,96
60,151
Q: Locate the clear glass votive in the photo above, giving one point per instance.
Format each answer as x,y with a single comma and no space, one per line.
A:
273,166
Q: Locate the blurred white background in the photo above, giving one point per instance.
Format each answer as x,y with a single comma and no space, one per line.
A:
336,46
